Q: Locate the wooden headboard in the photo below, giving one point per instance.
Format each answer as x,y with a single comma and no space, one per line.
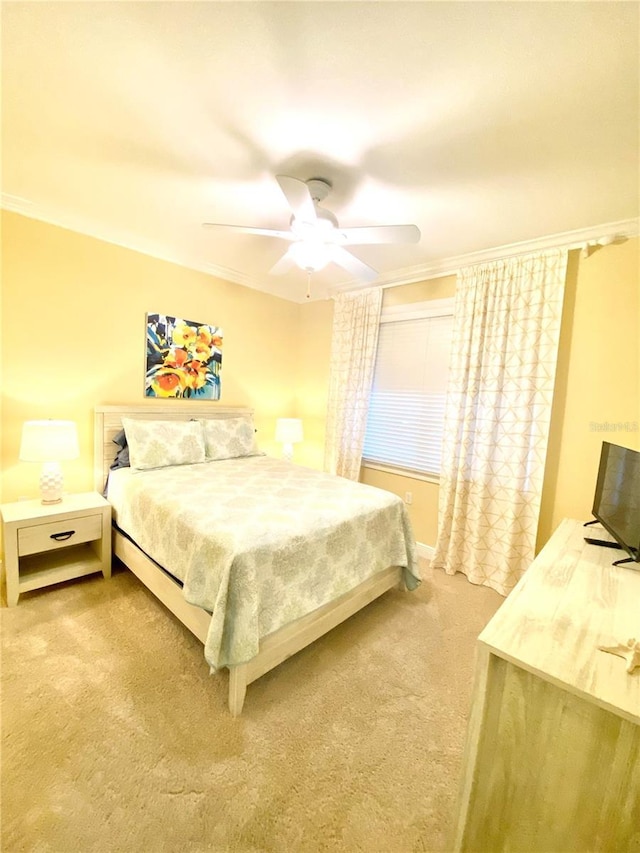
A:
108,422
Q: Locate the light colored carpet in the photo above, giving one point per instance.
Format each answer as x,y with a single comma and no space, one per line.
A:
116,738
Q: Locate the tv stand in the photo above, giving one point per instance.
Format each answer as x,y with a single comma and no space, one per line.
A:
605,543
552,760
628,560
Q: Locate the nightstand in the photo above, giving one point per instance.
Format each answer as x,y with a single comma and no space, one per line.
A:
49,543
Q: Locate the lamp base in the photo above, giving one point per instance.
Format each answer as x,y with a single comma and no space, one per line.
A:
51,483
287,452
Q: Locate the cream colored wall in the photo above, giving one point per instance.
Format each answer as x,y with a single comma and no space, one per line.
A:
436,288
423,511
312,363
597,396
1,377
73,336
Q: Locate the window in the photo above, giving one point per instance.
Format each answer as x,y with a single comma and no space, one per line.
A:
406,410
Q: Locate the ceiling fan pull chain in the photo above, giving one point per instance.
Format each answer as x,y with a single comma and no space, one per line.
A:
308,284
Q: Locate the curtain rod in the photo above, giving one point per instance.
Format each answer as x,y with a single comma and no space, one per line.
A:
619,232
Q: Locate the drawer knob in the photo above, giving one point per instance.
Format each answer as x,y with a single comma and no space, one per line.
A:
60,537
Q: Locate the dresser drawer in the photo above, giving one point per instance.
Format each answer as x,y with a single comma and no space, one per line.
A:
59,534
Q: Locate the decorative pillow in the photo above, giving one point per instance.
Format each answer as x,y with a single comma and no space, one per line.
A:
122,456
228,438
157,444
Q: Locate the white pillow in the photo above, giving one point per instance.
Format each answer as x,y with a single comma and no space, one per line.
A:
157,444
228,438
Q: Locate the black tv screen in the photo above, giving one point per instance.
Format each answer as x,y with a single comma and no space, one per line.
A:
616,503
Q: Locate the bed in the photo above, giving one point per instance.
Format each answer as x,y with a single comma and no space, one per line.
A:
255,556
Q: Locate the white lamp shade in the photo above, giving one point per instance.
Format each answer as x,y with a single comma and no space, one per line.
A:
289,430
49,441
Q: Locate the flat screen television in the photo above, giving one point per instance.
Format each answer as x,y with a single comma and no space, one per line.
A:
616,503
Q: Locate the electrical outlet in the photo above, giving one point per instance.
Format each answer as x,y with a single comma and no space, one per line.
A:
408,497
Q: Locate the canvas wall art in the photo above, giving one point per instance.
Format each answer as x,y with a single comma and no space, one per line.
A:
184,358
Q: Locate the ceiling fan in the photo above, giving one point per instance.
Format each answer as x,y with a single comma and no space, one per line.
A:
315,236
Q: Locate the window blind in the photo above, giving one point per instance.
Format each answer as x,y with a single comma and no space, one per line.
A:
406,409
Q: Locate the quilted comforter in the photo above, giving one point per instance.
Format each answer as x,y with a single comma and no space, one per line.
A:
259,542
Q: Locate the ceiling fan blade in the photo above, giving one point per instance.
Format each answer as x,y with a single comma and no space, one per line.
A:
352,264
380,234
282,266
298,197
245,229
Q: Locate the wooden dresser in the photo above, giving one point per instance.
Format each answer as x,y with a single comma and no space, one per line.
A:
552,760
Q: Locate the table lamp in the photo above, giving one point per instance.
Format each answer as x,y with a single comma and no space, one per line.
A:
288,432
50,442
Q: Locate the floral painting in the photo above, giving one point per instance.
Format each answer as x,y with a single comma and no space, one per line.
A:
184,358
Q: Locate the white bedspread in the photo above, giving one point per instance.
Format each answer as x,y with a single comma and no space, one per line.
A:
260,542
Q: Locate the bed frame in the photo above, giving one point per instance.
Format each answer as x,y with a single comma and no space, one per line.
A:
279,645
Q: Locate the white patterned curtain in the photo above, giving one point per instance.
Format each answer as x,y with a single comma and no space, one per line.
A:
356,320
503,364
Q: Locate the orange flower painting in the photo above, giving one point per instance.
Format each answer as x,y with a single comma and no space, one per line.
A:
184,358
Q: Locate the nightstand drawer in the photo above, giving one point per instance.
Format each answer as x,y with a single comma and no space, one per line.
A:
58,534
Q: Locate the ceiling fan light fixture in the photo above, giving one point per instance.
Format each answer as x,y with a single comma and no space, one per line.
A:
320,230
311,255
315,237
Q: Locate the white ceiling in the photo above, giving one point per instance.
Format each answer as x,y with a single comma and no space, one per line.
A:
484,123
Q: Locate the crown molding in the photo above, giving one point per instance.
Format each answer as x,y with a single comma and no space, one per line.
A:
234,276
581,238
16,204
23,206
